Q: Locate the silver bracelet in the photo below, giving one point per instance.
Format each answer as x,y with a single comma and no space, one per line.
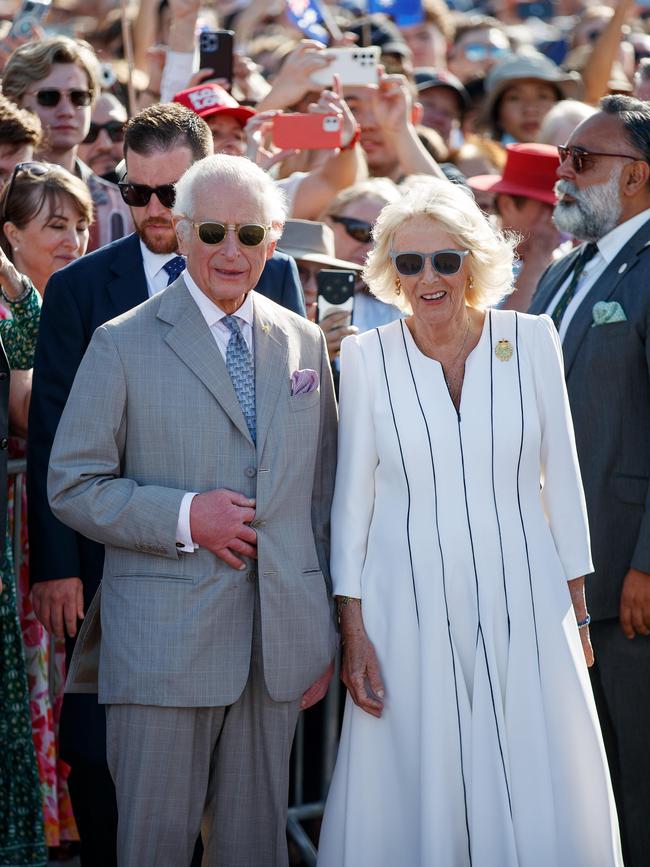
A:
28,286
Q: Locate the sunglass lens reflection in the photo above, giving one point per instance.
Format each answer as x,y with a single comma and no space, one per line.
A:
446,263
212,233
409,264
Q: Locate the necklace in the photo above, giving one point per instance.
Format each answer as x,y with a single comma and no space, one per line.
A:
452,379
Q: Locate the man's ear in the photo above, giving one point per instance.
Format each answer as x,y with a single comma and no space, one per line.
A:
182,229
416,113
637,178
270,249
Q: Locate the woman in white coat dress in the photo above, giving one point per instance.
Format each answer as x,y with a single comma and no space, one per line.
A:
459,549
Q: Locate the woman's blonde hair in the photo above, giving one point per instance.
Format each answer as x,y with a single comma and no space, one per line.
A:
450,206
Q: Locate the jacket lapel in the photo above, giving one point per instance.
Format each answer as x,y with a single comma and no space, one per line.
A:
555,277
193,342
271,375
127,285
606,285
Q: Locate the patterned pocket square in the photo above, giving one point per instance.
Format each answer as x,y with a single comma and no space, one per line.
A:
303,382
605,312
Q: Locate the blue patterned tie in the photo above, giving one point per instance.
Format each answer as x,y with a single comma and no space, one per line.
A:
239,364
174,268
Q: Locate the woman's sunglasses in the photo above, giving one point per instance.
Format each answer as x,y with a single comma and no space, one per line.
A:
445,262
582,159
476,52
138,195
51,97
34,168
359,230
248,234
114,129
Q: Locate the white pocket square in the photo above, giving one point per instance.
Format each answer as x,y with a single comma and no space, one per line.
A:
604,312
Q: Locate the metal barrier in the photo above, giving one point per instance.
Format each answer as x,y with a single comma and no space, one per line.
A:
299,811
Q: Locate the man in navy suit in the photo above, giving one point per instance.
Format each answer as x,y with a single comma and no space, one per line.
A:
160,144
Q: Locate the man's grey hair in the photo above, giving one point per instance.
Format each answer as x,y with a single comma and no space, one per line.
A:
223,172
634,114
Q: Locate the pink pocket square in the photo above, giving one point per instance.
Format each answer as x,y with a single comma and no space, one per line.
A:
303,382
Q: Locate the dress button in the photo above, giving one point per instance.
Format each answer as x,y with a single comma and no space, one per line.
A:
250,472
3,376
4,442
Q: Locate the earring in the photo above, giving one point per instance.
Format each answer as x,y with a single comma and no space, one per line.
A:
470,284
398,286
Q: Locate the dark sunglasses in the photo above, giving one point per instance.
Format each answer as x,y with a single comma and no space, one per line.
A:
51,97
248,234
582,159
34,168
445,262
138,195
359,230
477,51
114,129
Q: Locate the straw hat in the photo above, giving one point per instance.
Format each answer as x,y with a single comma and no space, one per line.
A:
312,242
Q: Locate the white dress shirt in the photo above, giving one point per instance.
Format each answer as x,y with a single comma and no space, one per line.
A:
214,317
154,263
609,246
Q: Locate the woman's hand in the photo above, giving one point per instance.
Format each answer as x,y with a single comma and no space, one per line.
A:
587,649
577,591
10,278
359,664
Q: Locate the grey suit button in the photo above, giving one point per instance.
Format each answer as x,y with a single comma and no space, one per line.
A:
250,472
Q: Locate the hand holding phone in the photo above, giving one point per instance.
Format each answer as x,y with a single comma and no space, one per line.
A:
335,292
216,53
355,66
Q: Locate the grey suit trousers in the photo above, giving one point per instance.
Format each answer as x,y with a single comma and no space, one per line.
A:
221,770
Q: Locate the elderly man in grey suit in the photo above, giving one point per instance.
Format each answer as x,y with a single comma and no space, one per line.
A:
599,298
198,445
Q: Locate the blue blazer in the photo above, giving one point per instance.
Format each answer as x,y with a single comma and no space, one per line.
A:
78,299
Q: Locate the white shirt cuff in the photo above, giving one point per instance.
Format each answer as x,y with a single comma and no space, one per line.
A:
184,543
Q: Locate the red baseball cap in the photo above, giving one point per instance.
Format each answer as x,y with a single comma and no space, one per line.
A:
209,99
530,170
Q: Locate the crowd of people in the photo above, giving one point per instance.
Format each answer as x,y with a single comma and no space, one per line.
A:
194,544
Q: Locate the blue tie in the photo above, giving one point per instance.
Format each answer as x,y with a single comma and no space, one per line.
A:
241,369
174,268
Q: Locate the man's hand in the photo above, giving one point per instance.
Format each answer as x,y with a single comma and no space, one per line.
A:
58,603
318,689
335,327
635,604
219,521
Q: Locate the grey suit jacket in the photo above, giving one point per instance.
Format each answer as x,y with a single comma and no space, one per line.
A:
152,415
608,380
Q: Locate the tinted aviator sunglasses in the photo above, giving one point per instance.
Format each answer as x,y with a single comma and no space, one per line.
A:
359,230
248,234
51,97
114,130
582,159
445,262
138,195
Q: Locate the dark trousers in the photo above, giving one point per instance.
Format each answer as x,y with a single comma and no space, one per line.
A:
620,679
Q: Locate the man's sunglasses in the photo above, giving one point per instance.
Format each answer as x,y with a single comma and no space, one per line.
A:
478,51
34,168
138,195
51,97
582,159
114,129
445,262
359,230
248,234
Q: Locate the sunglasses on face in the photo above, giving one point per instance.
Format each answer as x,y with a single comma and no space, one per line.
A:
445,262
477,51
359,230
32,168
138,195
582,159
248,234
114,129
51,97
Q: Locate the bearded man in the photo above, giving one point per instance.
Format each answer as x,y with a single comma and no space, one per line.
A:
599,298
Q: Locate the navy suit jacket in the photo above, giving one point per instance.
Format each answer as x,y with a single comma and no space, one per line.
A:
78,299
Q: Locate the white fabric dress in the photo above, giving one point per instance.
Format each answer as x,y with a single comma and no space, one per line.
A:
460,531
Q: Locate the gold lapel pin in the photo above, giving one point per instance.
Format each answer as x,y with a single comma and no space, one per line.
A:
266,328
503,350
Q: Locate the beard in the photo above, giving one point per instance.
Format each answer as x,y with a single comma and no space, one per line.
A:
156,239
595,211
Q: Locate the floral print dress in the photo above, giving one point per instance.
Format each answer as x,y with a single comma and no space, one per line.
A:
22,840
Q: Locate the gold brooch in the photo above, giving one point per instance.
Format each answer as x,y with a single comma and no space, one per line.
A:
503,350
266,328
